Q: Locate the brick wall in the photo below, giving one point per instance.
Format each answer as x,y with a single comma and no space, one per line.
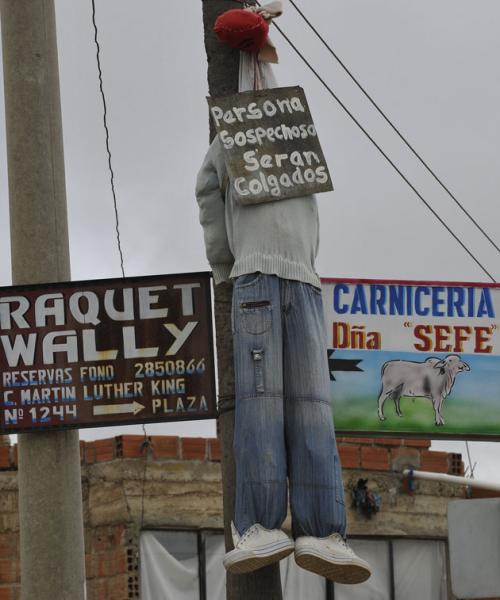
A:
130,482
107,564
376,454
371,454
157,447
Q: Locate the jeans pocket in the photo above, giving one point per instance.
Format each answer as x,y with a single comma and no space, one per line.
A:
255,316
248,280
258,366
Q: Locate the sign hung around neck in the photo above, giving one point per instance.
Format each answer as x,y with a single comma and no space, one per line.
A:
271,147
106,352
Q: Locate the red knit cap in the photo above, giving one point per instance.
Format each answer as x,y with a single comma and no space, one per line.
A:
242,29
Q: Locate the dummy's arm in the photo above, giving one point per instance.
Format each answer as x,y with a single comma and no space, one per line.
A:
212,217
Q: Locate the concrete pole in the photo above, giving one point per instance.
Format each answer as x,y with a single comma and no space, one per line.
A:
223,70
50,494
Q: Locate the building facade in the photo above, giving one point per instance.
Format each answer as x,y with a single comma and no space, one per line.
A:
153,520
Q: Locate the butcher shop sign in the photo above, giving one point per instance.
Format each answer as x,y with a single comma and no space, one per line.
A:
113,351
414,358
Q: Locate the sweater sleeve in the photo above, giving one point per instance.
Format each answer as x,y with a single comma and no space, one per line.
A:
212,218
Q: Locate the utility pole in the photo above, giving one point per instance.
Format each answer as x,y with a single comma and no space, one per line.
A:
50,493
223,71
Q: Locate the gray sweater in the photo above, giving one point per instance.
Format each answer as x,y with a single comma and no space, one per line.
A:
277,238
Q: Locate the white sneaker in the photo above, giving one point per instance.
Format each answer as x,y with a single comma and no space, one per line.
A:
256,548
332,558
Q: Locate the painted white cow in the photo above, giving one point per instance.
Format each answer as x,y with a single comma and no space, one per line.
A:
433,378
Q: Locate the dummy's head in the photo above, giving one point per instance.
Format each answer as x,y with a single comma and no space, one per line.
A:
247,29
242,30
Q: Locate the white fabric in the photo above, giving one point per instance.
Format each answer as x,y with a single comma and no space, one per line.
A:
376,553
254,74
216,574
298,584
162,576
420,570
271,10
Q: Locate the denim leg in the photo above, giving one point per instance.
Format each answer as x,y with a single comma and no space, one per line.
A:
314,471
259,437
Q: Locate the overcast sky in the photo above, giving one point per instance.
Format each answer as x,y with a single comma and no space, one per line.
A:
433,67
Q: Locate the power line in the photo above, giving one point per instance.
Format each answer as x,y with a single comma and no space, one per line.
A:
112,175
146,444
394,128
394,166
343,106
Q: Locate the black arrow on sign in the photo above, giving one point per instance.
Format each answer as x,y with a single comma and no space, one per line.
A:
341,364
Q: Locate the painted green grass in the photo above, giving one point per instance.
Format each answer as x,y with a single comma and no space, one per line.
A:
461,416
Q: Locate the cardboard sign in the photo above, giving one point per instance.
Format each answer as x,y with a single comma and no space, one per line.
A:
106,352
414,358
271,146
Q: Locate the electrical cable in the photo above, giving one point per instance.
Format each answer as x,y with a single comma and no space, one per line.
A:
342,105
394,128
394,166
112,175
146,444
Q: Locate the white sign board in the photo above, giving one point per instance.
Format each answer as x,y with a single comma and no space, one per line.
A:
414,357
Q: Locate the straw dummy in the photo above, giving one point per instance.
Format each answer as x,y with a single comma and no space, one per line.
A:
284,437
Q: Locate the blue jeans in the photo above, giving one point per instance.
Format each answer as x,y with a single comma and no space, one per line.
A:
283,421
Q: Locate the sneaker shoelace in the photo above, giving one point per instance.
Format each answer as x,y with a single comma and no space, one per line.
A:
248,533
